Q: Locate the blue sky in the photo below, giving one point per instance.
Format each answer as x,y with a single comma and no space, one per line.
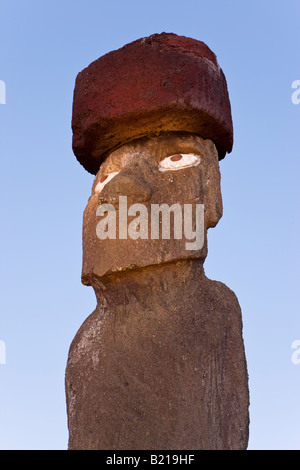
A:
44,190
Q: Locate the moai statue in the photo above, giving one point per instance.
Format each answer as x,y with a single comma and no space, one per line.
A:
160,363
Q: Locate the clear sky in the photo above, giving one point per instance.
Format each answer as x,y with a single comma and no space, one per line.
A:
254,248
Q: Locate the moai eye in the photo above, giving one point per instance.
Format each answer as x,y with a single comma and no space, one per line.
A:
179,161
104,180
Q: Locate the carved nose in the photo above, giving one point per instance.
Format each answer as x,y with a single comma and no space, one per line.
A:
126,183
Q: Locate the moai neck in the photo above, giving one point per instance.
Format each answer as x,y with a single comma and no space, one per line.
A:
155,285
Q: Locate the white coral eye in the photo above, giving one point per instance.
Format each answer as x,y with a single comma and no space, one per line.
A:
104,180
179,161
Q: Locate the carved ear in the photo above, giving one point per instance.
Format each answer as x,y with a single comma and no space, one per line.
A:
213,197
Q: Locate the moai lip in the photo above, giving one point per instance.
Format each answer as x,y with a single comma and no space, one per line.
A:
160,364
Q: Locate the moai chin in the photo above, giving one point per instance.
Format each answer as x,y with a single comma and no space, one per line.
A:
160,363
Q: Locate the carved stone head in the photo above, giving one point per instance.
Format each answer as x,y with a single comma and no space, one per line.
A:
151,121
152,202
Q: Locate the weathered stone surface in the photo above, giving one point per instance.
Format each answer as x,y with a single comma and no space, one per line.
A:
159,364
163,83
141,181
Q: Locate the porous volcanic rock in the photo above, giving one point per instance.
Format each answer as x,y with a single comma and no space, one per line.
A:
162,83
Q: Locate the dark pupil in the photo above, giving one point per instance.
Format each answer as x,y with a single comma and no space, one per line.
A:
176,158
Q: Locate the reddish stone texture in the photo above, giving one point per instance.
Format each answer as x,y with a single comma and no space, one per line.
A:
159,84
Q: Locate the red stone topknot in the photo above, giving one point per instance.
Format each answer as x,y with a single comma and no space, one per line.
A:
159,84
